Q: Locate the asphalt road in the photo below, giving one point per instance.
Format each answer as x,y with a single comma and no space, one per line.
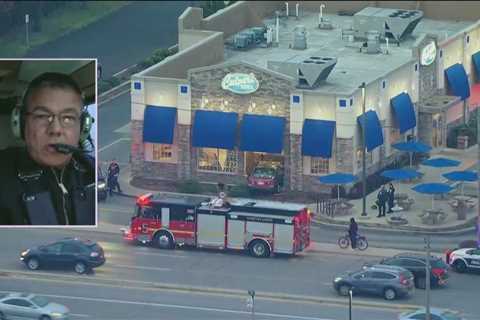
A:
145,274
125,37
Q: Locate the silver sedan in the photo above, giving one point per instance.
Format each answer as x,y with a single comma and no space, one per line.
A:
30,306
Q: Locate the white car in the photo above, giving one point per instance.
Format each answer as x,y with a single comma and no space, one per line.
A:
464,259
30,306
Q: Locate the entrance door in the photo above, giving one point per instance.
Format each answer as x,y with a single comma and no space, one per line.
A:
437,131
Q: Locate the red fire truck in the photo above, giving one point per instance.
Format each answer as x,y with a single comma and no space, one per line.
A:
257,226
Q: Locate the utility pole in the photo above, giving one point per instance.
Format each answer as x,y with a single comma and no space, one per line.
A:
350,293
364,150
27,20
427,279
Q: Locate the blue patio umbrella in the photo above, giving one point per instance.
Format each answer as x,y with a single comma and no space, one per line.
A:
433,188
338,179
400,174
461,176
412,146
441,162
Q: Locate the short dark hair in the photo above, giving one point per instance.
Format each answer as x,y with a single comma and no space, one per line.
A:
51,80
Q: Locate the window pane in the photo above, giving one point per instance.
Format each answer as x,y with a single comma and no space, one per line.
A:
162,152
217,160
319,165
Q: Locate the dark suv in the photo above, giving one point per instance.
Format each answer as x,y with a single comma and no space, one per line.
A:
81,255
266,176
415,263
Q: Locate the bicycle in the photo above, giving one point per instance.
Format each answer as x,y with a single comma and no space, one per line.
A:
344,242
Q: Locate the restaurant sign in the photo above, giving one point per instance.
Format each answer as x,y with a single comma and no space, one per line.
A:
428,54
240,83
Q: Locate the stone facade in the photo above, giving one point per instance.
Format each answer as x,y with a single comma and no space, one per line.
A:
344,155
296,169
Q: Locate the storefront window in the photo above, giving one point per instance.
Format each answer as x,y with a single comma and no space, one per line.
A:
162,152
219,160
319,165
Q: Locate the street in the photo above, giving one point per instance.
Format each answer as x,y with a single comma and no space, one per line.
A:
208,284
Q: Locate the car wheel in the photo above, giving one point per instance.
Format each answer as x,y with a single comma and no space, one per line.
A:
389,294
460,266
344,289
420,283
45,318
164,240
259,249
80,267
2,316
33,263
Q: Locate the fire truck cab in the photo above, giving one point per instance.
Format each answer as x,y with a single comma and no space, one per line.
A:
257,226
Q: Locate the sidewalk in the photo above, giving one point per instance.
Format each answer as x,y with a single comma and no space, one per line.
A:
469,160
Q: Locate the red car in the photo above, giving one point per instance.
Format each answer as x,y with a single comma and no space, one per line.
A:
267,177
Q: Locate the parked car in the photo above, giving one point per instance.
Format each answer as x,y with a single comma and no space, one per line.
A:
388,281
267,176
415,263
101,185
30,306
464,259
81,255
435,314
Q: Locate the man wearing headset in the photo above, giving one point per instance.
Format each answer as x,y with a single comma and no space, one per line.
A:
50,181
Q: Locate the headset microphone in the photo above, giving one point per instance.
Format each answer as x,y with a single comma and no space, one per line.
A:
66,148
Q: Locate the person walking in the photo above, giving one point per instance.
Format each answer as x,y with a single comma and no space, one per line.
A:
353,232
113,174
391,197
382,199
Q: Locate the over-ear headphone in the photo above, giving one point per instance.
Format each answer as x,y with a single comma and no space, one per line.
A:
17,122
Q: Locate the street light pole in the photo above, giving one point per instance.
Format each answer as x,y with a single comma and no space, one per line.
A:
427,279
350,304
364,148
27,18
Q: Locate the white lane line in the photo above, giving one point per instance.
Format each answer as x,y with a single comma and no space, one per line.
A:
79,315
123,129
184,307
114,142
138,267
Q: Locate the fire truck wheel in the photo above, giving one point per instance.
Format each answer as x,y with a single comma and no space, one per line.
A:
259,249
164,240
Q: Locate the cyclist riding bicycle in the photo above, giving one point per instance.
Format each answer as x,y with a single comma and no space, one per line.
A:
353,233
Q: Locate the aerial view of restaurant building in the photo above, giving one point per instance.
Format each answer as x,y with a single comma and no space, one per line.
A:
293,83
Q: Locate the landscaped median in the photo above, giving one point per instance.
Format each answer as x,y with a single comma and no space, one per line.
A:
61,21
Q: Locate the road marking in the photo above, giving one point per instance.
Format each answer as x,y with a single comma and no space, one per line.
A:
123,129
114,142
183,307
79,315
114,266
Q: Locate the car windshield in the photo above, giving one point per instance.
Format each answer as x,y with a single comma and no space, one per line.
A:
40,301
264,172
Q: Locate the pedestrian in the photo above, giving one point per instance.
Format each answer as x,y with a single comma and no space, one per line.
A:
391,197
50,180
353,232
113,175
382,200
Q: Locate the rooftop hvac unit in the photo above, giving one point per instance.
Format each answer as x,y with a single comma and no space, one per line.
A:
259,33
241,41
373,41
300,38
391,23
309,72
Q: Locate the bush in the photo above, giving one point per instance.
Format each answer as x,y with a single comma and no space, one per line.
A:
189,186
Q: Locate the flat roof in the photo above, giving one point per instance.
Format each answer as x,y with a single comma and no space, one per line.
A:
352,67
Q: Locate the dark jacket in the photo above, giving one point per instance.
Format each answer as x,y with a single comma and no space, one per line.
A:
353,229
31,194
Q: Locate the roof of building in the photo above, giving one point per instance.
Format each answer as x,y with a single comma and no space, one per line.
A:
353,67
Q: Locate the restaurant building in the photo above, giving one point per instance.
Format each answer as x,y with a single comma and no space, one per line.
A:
260,82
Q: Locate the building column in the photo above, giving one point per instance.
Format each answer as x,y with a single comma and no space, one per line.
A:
184,123
296,125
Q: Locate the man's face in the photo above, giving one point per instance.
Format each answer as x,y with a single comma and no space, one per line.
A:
66,105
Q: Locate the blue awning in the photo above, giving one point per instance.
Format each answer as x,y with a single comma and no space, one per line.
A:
262,133
317,138
458,80
159,124
373,129
476,62
404,112
214,129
